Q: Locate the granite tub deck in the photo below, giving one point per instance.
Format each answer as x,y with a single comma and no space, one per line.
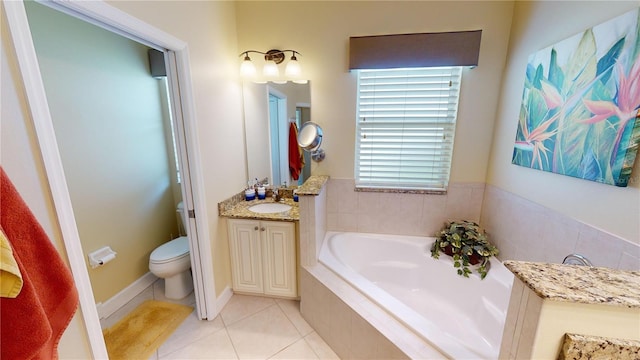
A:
582,347
313,185
581,284
572,312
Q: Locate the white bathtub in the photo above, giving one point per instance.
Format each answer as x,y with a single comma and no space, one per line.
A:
462,317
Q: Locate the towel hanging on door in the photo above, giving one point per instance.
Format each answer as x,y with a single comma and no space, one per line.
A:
33,322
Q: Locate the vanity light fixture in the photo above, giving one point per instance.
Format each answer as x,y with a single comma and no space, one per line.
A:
270,69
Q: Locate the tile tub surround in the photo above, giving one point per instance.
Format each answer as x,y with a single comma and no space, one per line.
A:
527,231
585,347
512,222
352,325
579,284
399,213
313,218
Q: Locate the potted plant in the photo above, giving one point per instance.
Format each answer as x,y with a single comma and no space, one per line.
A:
468,244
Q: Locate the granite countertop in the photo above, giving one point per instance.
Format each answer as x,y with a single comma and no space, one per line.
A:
240,210
579,347
236,207
313,185
581,284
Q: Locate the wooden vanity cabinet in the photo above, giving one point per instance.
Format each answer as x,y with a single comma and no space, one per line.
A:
263,257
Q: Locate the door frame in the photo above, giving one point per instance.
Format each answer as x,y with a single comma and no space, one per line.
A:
101,14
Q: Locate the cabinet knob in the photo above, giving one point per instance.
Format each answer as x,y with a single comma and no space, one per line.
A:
255,228
262,228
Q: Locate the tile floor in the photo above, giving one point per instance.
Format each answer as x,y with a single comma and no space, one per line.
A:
248,327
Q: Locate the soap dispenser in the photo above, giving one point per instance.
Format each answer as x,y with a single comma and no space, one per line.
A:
250,194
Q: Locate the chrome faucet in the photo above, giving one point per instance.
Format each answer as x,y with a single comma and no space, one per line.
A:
576,259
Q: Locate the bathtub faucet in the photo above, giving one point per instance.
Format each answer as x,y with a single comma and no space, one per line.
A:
576,259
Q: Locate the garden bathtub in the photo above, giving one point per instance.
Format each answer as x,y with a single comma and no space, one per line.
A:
462,317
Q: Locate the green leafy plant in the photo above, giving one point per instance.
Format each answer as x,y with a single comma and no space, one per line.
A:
468,244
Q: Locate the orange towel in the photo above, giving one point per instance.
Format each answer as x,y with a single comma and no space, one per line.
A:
33,322
296,159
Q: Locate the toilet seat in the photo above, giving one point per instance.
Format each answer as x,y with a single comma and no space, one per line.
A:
173,250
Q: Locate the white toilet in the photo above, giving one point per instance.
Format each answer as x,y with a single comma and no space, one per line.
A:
171,262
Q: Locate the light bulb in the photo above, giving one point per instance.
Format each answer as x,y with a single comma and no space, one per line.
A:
247,68
293,68
270,69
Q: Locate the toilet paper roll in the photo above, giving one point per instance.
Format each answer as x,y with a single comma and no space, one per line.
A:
106,259
101,256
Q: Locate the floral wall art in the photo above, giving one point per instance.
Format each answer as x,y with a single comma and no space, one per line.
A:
580,112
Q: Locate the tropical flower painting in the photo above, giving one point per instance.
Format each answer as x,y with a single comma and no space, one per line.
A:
580,112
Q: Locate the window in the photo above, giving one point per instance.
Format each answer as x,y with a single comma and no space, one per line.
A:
405,127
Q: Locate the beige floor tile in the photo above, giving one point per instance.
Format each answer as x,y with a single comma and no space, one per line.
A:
216,346
263,334
300,350
291,308
320,347
249,327
190,330
241,306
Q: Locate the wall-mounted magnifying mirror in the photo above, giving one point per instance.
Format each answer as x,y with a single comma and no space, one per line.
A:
310,139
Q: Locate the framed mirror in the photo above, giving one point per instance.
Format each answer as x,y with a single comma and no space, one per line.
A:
270,110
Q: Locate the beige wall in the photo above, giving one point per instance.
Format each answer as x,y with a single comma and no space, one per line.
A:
537,25
320,31
20,158
109,127
209,28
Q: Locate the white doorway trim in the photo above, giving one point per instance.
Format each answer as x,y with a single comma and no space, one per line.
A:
100,13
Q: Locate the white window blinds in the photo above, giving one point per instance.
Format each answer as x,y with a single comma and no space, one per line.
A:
405,127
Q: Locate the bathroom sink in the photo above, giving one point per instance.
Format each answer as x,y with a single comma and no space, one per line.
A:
267,208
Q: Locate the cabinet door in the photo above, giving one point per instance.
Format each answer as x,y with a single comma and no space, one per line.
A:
279,258
246,255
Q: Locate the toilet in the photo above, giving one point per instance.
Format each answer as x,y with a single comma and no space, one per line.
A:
171,262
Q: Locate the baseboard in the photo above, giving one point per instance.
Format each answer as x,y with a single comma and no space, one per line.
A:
223,299
120,299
